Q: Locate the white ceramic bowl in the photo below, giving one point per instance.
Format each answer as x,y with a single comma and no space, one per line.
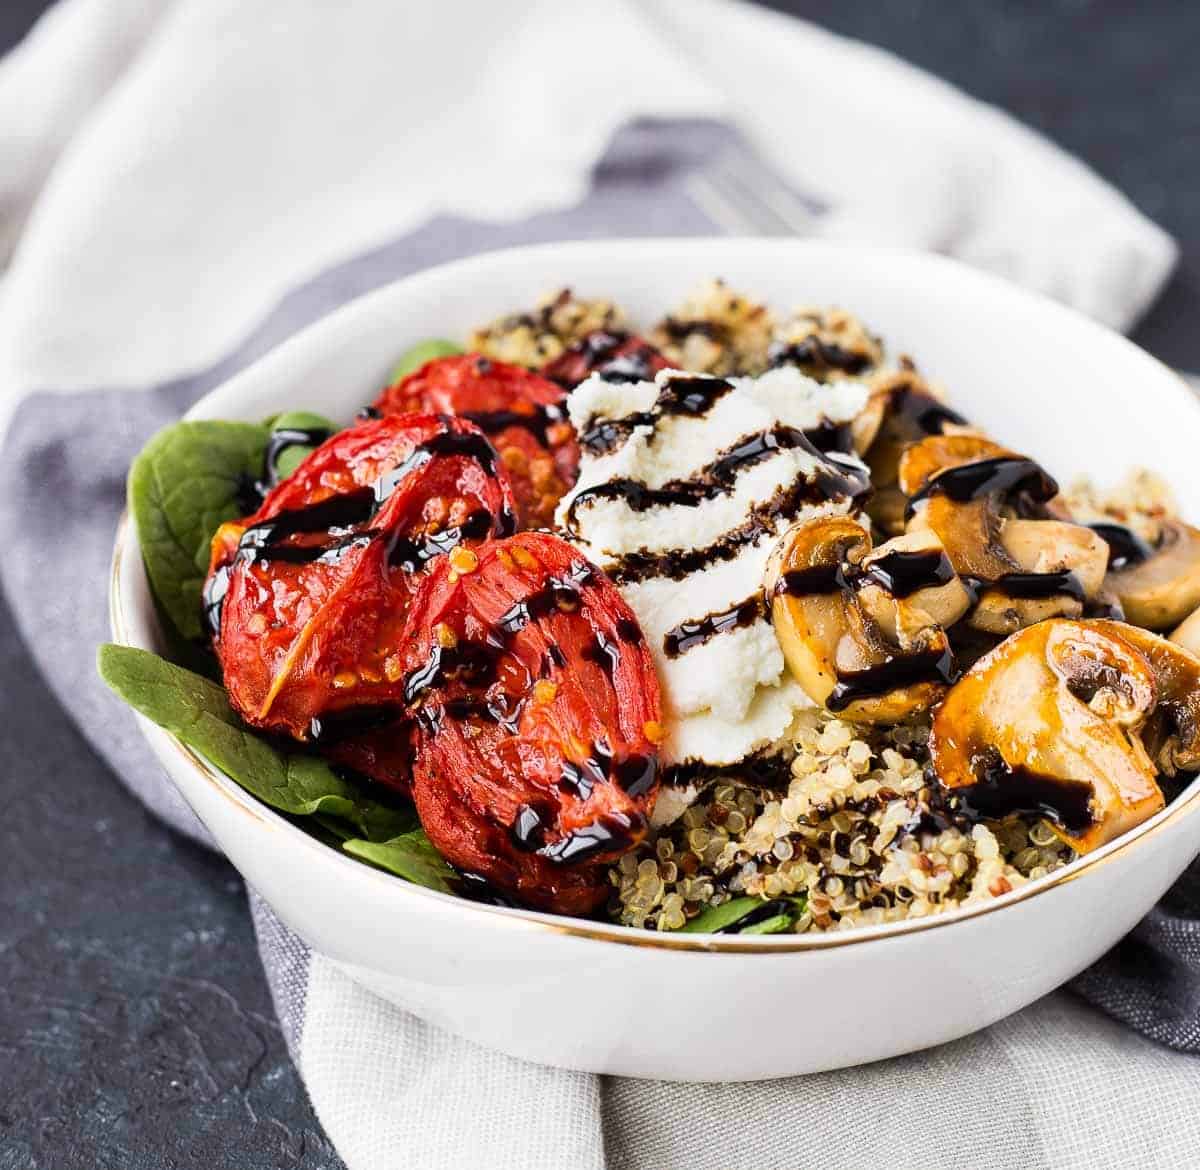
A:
606,999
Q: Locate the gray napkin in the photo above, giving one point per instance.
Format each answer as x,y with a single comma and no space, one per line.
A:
65,458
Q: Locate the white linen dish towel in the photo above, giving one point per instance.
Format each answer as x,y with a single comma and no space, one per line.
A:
222,173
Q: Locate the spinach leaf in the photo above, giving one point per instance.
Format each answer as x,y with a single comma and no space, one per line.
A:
188,480
191,478
198,712
775,925
424,351
715,917
725,917
294,435
410,856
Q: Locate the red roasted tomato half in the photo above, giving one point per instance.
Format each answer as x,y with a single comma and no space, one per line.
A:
537,710
615,355
520,412
307,598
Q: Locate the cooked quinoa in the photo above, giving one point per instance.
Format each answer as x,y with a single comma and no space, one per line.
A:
717,330
826,344
1141,501
538,336
853,832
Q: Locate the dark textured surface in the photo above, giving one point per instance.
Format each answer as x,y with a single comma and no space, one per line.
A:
1112,81
135,1026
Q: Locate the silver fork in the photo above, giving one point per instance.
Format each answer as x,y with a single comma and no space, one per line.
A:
744,197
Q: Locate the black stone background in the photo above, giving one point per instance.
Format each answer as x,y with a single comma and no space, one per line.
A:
135,1026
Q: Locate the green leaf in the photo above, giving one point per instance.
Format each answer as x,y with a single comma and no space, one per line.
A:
715,917
410,856
191,478
198,712
317,426
775,925
188,480
422,352
718,918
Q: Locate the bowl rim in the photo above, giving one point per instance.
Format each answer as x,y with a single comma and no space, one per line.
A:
1185,804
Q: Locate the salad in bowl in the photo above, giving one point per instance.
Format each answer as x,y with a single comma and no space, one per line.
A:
724,621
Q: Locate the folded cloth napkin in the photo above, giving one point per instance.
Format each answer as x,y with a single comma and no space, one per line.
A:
254,165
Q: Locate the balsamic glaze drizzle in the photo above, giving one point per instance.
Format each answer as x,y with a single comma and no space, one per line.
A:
709,482
599,352
1001,789
1125,547
537,421
772,909
609,832
283,440
1000,475
696,631
820,356
935,665
694,396
325,531
899,573
763,520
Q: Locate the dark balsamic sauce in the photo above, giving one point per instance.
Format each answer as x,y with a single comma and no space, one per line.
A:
335,525
529,828
336,726
899,573
563,594
476,888
611,832
692,396
473,662
611,353
904,573
710,482
819,356
831,480
1000,475
696,631
636,774
935,665
1033,586
761,769
1125,547
412,553
603,653
922,413
830,436
1002,789
537,421
284,440
763,913
815,581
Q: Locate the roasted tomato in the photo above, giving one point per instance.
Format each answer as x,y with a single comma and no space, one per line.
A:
537,711
522,413
307,598
617,356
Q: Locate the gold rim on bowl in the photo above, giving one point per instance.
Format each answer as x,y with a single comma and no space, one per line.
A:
1185,804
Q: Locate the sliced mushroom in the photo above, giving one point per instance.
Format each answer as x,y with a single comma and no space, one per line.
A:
1158,587
1187,633
1049,723
863,631
902,409
979,498
1172,734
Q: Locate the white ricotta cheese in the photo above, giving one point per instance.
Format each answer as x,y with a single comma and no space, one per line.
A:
730,476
